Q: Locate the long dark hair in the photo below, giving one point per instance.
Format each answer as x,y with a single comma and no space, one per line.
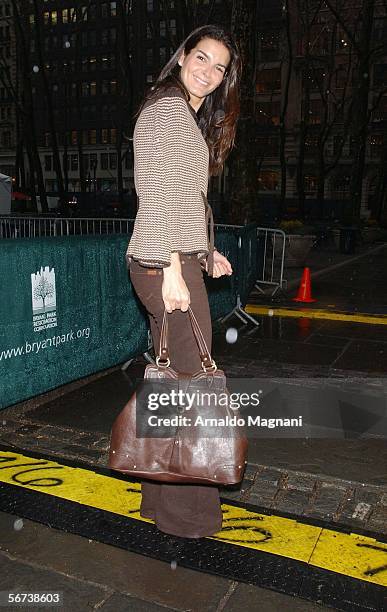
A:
219,111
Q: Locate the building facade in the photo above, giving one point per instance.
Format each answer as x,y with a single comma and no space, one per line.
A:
87,66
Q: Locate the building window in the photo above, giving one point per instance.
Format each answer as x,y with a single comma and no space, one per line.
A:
47,139
149,5
310,183
104,161
148,31
315,112
93,160
105,37
269,180
93,88
163,55
85,160
48,163
375,146
163,28
113,9
93,137
149,78
267,146
172,26
54,17
269,80
105,136
74,162
104,10
113,87
128,160
113,161
113,135
92,13
149,57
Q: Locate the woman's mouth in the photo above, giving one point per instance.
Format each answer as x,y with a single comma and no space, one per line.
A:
202,83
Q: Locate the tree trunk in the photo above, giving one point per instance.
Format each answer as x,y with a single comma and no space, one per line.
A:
47,93
244,186
285,102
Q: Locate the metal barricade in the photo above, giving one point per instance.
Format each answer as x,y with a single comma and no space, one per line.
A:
37,227
271,245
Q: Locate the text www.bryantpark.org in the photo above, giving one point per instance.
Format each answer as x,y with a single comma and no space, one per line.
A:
29,348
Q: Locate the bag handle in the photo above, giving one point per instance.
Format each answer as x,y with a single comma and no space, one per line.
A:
163,360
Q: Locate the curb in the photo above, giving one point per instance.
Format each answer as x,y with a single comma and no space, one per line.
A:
317,314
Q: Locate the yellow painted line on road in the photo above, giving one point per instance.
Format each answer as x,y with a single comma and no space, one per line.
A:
317,314
351,554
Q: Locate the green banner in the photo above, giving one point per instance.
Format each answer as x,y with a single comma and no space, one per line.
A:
67,310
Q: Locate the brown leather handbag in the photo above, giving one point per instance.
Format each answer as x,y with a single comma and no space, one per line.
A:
211,449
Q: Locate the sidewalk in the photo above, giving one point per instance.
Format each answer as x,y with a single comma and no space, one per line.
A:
342,482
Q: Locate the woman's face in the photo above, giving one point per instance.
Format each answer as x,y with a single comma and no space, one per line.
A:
202,70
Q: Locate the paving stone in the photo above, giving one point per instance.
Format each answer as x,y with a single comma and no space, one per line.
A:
269,476
119,570
20,577
358,509
378,519
300,482
122,603
264,499
28,428
327,502
254,599
294,502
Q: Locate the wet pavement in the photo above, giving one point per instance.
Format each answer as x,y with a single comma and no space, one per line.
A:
95,576
328,479
348,283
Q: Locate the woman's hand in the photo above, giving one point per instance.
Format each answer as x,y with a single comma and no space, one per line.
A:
175,292
221,265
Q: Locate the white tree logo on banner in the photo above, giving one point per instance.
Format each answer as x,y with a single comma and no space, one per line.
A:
44,298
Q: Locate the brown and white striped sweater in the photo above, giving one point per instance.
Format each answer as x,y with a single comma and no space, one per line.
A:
170,172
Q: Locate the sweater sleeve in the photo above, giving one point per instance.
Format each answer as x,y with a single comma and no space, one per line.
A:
164,168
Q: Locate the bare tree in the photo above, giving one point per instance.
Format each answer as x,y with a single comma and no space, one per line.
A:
243,157
20,91
48,98
357,23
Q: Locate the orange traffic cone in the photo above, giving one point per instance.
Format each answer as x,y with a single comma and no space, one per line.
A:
305,292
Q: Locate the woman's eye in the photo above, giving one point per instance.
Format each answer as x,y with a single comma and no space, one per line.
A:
200,57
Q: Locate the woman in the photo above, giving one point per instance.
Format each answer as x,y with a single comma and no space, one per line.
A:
184,131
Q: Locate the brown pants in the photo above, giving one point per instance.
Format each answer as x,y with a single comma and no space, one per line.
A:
190,511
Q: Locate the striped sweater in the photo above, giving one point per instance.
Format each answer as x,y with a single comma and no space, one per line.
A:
170,172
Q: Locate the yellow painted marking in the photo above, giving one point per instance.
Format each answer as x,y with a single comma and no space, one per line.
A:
318,314
349,554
